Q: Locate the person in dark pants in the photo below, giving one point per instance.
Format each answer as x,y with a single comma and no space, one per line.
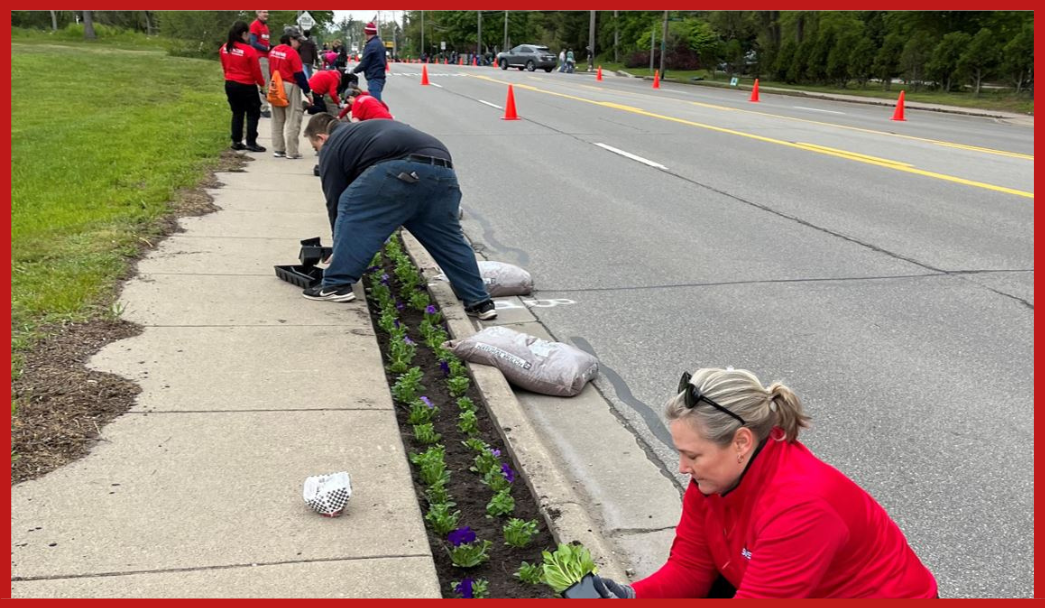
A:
374,62
379,175
242,78
308,53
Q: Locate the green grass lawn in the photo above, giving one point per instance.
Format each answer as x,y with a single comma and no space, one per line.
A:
1004,101
96,156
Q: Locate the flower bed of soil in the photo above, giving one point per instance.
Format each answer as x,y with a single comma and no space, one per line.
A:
465,487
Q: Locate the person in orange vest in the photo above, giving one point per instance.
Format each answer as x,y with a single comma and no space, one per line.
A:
364,106
242,78
286,121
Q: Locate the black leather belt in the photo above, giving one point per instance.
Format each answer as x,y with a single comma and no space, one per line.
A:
429,160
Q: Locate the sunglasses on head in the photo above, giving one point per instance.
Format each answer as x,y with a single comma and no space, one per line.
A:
694,396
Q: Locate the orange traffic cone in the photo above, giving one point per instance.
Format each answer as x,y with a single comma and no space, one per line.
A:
475,61
598,75
424,75
754,92
656,79
388,67
898,113
509,106
460,61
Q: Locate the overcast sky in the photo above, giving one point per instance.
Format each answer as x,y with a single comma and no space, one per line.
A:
365,16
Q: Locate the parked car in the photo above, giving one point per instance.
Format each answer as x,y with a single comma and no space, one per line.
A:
529,57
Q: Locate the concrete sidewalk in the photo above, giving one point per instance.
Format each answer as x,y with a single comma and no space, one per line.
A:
247,389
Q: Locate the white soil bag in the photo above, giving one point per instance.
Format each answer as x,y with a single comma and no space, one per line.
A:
328,494
549,368
502,279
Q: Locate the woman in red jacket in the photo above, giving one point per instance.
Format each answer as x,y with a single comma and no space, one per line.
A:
364,106
763,517
242,78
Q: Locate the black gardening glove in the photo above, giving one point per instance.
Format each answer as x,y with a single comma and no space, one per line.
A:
609,589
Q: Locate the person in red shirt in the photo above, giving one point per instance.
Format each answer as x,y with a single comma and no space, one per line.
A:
763,517
329,82
286,121
259,41
364,106
242,79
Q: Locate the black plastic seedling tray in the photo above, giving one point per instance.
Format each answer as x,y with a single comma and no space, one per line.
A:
313,252
302,276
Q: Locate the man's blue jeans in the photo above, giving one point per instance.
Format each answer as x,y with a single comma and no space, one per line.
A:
378,202
375,86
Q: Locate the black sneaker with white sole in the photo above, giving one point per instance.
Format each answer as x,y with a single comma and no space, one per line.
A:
337,293
484,311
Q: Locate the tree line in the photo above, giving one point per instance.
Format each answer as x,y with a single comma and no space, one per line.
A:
941,50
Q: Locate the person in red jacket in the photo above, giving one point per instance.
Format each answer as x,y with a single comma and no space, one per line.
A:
364,106
242,79
286,121
260,42
332,83
763,517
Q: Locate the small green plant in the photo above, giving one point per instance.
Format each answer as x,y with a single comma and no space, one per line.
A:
458,385
432,315
496,480
467,551
468,423
466,405
566,566
419,300
476,445
457,367
433,336
502,503
486,461
471,589
388,321
408,276
422,411
425,433
530,573
408,386
441,518
519,533
431,465
437,493
401,354
381,293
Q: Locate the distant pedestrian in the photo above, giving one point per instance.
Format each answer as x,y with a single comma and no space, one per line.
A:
259,40
243,77
308,53
562,60
571,61
286,121
374,61
379,175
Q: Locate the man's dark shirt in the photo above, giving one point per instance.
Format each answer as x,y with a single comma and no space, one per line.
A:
355,147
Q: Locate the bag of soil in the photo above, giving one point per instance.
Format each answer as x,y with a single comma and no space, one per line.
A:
502,279
549,368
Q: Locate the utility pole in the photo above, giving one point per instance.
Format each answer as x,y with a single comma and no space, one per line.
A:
616,37
663,44
504,47
591,42
479,37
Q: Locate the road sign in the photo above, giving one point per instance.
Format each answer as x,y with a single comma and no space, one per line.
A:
733,81
442,45
305,21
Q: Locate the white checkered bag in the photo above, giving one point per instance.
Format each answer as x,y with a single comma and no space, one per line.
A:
328,494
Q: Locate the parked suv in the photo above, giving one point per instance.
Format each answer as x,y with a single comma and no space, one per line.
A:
528,56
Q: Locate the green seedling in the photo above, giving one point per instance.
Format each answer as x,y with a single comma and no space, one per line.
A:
530,573
502,503
468,423
441,518
519,533
408,386
425,434
566,566
458,385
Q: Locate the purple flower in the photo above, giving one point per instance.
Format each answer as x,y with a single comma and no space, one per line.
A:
373,269
431,309
508,473
384,278
400,306
464,588
407,340
496,453
397,323
427,401
461,536
443,365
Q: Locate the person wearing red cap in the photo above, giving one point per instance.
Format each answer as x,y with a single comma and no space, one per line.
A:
260,42
364,106
763,517
242,79
374,61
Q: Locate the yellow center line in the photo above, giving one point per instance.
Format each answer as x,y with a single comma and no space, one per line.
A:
870,160
854,154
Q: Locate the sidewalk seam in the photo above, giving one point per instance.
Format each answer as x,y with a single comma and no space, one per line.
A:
322,560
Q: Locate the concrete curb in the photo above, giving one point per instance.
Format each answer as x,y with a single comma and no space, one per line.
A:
872,101
563,512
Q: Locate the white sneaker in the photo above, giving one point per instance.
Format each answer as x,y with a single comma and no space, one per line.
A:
279,154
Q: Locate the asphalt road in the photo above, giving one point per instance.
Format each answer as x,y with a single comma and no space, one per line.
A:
884,270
